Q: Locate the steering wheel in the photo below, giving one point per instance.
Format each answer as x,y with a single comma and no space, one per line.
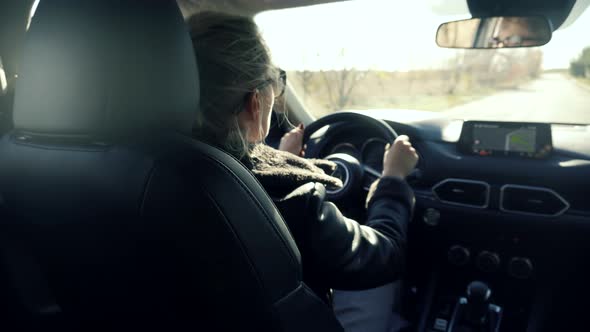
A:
350,170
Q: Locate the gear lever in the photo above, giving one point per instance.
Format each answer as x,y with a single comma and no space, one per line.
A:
475,312
478,300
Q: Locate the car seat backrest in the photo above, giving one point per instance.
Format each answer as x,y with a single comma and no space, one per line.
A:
112,217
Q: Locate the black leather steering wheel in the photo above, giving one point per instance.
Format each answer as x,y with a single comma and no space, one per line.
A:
384,130
350,170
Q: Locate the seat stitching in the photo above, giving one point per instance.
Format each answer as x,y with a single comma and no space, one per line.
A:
255,201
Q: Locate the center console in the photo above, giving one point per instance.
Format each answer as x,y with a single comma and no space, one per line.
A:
475,271
481,293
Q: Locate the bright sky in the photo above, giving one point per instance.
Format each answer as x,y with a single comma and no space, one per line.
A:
384,34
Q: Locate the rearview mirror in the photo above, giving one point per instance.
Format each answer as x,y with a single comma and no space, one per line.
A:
495,32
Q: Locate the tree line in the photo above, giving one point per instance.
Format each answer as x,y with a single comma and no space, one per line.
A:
468,72
580,67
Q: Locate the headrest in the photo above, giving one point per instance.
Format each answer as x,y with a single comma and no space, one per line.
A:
106,67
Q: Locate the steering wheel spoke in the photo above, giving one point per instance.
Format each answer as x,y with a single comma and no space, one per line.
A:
357,175
370,175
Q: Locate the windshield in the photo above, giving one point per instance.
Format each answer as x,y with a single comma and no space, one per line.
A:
381,54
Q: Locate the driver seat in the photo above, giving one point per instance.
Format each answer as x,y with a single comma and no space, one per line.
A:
112,217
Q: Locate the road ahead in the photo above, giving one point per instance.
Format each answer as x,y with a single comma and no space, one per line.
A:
551,98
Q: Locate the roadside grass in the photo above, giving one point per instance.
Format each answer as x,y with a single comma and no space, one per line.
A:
428,102
557,71
322,92
583,81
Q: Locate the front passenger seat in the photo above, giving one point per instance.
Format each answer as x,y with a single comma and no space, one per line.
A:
112,216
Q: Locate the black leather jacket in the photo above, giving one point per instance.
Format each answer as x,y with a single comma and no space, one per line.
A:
338,252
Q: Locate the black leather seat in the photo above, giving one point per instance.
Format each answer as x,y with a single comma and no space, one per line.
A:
112,217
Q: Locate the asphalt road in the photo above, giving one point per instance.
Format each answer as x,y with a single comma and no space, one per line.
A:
550,98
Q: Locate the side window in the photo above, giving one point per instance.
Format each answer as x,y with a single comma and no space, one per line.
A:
3,81
6,98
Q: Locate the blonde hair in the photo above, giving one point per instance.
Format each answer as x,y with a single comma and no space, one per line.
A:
233,60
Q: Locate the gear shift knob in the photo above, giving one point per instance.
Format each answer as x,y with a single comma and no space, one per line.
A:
478,300
478,292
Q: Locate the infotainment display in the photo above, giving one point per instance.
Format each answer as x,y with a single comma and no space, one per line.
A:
514,139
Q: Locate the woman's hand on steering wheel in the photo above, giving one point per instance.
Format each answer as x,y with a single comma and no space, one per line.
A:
293,141
353,173
399,158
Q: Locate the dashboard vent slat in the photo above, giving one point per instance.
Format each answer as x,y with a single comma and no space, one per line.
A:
532,201
463,192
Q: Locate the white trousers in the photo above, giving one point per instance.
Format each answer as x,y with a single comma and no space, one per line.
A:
371,310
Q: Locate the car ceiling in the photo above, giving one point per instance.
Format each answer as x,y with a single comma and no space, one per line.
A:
13,14
244,7
557,11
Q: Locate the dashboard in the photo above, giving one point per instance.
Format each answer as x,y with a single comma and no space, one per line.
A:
549,157
516,216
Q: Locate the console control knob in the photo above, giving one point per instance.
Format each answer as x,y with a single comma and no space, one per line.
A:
488,261
520,268
458,255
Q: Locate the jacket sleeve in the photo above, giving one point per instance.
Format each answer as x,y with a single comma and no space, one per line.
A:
352,256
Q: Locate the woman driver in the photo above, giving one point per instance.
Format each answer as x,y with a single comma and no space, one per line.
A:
239,87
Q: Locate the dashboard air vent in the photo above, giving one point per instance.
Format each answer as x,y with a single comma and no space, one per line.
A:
463,192
532,200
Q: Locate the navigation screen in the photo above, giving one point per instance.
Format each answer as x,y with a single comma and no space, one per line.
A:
506,138
496,138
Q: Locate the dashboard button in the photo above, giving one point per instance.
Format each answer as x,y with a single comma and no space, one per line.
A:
440,324
431,217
